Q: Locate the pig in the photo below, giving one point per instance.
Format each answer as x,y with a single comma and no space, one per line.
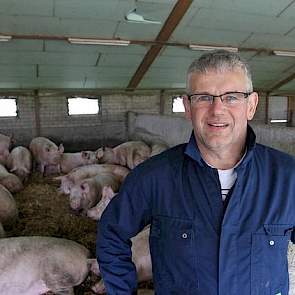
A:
69,161
5,142
77,174
19,162
106,196
86,194
128,154
8,209
46,152
140,256
10,180
35,265
158,148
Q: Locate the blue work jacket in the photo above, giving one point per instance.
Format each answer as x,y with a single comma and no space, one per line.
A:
198,245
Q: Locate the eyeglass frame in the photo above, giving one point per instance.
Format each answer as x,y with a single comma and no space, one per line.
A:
246,95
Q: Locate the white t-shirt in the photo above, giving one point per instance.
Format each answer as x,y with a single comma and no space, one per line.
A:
227,178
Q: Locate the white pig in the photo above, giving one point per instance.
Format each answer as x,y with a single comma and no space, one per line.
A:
106,196
128,154
36,265
10,180
5,142
8,209
87,193
69,161
140,256
77,174
46,152
19,162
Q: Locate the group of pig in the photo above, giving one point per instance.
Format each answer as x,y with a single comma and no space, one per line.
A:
35,265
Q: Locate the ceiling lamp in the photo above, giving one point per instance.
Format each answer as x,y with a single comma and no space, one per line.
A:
207,48
4,38
90,41
284,53
134,17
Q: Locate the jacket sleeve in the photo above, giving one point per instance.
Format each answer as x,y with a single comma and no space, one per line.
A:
293,236
124,217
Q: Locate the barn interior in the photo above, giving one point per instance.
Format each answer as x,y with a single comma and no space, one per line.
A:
129,58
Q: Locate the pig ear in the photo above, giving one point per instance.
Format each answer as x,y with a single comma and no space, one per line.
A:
99,153
61,148
84,187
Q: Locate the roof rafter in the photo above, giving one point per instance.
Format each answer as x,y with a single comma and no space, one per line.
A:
282,83
171,23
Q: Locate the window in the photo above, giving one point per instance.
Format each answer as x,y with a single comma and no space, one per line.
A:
83,105
278,109
177,105
8,107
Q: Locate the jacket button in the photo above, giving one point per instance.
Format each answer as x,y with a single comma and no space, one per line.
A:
184,235
271,242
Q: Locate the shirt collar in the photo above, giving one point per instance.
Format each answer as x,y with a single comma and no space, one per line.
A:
193,151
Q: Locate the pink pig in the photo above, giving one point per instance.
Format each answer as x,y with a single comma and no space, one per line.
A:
46,153
19,162
5,142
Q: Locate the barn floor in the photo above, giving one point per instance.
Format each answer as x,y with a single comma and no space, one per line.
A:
43,212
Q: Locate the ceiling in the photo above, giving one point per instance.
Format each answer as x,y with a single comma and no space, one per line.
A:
40,57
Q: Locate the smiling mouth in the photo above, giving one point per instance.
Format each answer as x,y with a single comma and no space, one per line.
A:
218,125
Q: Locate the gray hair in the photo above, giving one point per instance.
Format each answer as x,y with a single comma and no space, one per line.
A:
219,60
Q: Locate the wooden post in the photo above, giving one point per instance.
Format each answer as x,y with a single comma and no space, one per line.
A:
162,102
37,113
291,110
267,108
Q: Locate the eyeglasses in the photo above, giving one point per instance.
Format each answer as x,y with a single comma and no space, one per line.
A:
228,98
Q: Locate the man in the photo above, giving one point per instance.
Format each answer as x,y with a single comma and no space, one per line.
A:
221,207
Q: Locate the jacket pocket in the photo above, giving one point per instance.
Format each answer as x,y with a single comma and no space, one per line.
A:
173,253
269,265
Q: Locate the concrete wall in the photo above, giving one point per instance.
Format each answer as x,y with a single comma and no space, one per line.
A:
110,127
153,128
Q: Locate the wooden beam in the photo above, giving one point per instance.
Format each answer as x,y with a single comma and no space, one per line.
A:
37,113
282,82
267,108
171,23
291,110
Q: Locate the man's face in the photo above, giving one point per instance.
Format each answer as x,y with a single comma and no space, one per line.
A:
216,126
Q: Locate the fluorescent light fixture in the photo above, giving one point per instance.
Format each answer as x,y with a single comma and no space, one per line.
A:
4,38
207,48
112,42
284,53
278,121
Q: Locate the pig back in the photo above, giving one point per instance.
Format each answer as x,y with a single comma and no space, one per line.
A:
45,151
20,162
58,263
10,181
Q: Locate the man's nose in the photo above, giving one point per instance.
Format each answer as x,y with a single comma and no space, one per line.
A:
217,104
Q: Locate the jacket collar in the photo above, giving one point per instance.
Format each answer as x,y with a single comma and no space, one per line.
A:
193,151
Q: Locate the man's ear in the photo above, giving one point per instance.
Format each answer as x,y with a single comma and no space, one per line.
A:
187,107
252,105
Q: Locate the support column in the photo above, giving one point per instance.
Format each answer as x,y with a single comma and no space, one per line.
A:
37,128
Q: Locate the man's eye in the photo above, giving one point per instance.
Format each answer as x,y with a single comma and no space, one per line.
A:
230,98
205,98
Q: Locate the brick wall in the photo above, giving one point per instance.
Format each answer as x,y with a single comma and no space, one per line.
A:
89,131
